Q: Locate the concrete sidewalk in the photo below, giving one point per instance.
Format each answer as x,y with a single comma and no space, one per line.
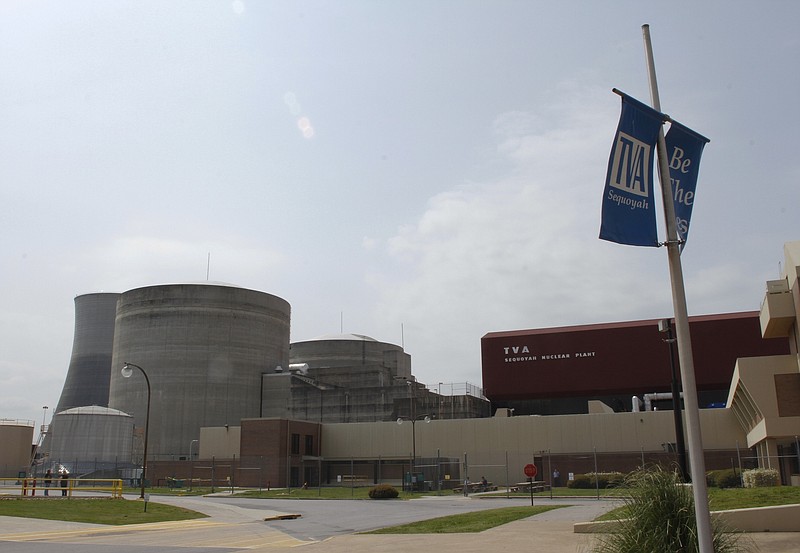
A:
520,536
551,532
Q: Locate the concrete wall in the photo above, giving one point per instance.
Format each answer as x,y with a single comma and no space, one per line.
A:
497,447
621,439
219,442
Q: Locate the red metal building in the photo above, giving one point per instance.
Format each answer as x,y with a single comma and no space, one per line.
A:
613,361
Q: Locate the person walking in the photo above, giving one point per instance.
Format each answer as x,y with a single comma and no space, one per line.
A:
556,478
64,483
48,479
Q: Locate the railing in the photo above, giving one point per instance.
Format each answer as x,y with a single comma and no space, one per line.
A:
61,487
17,422
457,389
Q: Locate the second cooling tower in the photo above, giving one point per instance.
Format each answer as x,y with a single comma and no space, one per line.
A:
204,348
89,367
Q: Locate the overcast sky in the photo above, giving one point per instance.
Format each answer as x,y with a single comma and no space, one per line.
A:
419,171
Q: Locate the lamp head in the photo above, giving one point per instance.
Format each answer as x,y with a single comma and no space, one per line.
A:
127,371
399,420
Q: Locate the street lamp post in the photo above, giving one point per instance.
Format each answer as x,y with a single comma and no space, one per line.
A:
413,418
43,429
127,371
191,463
439,391
427,419
412,388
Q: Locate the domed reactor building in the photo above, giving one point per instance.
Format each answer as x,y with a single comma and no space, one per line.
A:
355,378
203,348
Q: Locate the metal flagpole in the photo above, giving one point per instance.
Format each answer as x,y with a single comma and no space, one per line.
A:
696,460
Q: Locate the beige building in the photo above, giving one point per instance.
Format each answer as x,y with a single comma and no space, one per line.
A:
765,391
758,427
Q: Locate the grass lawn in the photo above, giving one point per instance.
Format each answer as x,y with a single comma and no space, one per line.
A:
736,498
96,511
743,498
561,492
466,522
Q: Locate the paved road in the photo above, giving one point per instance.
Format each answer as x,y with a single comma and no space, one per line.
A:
323,519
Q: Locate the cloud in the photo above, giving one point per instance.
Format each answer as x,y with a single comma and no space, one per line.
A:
520,250
369,243
123,262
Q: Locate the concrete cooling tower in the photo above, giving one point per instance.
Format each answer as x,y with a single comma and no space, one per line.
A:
204,348
89,371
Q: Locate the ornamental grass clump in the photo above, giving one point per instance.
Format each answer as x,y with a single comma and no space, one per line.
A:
659,518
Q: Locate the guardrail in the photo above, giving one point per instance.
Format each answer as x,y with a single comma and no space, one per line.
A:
60,487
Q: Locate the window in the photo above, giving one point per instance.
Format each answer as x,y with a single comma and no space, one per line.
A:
309,445
295,444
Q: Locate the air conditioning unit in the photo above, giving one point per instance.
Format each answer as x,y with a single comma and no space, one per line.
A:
777,286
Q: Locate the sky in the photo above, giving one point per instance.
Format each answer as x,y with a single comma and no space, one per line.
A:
422,172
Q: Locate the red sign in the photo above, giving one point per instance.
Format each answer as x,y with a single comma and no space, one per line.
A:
530,470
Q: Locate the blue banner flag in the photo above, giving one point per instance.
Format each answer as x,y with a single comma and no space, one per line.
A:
629,215
684,148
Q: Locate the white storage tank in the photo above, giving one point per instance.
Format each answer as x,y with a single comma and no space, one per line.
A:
91,439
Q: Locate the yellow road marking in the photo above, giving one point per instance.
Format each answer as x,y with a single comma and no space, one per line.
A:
121,529
177,533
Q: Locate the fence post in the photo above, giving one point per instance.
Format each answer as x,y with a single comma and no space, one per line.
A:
741,471
466,476
596,479
438,473
212,473
508,484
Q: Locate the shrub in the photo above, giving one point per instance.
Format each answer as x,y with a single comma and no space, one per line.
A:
760,478
383,491
593,480
581,481
724,478
659,517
